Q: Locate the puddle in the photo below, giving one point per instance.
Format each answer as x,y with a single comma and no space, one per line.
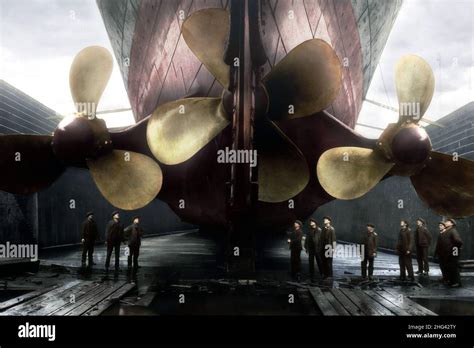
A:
447,306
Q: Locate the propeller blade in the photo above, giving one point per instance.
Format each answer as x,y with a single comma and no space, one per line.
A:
128,180
308,78
415,82
90,71
179,129
282,168
206,32
27,163
350,172
447,186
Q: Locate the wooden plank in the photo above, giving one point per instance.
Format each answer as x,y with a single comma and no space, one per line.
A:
417,305
109,289
49,301
406,304
25,297
400,303
384,302
298,285
91,292
374,304
100,307
359,302
346,302
322,302
307,302
146,299
335,303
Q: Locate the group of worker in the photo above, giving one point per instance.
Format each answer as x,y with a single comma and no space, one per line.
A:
320,245
315,243
115,235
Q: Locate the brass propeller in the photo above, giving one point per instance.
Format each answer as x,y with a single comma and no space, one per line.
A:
282,168
351,172
415,83
446,184
88,76
307,79
128,180
404,149
205,32
27,163
179,129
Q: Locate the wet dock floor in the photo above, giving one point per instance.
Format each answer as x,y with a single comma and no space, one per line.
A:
179,274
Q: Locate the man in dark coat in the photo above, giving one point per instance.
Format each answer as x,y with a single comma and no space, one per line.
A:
453,248
370,251
114,236
89,236
442,251
423,242
329,245
404,245
295,247
312,246
134,234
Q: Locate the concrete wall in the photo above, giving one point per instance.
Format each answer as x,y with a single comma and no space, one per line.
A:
63,205
18,218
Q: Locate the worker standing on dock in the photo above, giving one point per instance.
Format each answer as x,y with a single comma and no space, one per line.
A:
295,247
442,252
404,246
312,246
114,235
423,242
89,236
134,234
329,243
370,251
454,244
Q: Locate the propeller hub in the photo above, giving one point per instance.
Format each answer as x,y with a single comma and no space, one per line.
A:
76,139
411,145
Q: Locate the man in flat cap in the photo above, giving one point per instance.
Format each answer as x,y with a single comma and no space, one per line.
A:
134,234
89,236
295,247
422,242
370,251
442,251
313,247
403,248
454,244
114,236
329,243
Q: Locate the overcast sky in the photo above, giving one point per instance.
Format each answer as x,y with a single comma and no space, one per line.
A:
38,41
39,38
440,31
